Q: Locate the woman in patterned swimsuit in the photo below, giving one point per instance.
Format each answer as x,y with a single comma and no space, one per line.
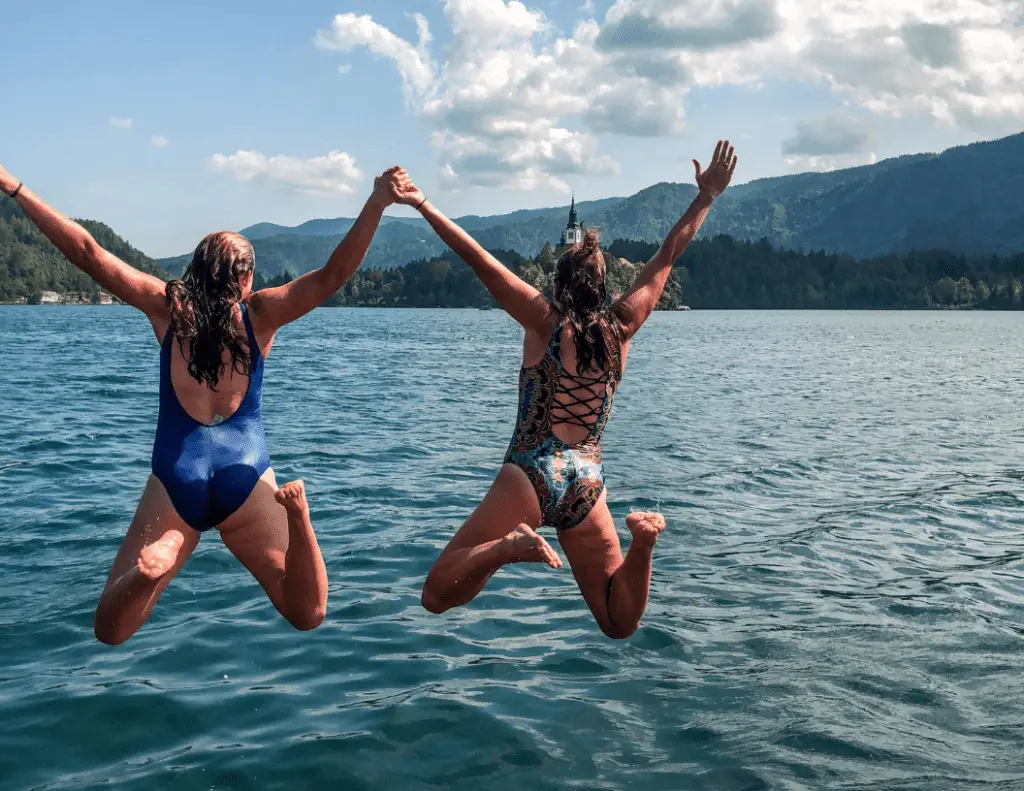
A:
573,359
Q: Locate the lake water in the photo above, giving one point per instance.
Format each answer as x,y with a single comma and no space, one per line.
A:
838,602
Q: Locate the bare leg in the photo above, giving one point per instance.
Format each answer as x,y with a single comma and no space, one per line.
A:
497,533
305,576
630,585
615,589
156,547
458,576
277,545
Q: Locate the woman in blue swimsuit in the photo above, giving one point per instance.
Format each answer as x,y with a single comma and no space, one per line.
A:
573,359
210,463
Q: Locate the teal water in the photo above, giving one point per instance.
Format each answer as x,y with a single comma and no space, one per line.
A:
838,602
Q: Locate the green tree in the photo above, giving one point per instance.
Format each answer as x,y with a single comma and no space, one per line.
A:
547,259
945,291
964,292
671,297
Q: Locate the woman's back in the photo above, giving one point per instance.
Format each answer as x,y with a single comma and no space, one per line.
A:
557,398
583,400
210,448
563,409
201,402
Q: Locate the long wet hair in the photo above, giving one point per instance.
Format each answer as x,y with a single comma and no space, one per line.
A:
203,303
581,297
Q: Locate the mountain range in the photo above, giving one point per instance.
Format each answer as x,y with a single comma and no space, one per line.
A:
967,199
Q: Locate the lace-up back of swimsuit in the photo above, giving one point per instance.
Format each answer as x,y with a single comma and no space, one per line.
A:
581,402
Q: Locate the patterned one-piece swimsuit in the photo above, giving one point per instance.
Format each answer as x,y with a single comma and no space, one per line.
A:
568,478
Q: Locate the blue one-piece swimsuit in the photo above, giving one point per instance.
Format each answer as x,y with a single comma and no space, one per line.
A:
210,471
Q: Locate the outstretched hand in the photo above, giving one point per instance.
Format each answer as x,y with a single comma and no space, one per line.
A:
405,191
382,186
716,178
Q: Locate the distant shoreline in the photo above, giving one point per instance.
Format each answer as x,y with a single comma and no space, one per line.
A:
501,310
61,305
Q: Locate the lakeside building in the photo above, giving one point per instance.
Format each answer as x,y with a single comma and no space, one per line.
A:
49,298
573,233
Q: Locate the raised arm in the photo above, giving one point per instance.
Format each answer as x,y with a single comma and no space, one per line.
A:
138,289
636,305
518,298
275,307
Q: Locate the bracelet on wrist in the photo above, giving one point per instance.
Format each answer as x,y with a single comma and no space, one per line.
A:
420,204
13,195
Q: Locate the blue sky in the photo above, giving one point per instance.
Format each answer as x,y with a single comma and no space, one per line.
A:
505,106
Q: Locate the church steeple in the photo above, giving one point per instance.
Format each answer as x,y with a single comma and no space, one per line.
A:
573,232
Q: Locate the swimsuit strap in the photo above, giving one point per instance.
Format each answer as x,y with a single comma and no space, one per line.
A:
617,331
254,349
254,393
165,360
555,344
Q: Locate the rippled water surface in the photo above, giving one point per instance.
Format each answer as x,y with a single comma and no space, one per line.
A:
838,602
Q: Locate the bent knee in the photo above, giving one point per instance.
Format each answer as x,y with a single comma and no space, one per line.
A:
309,620
110,634
432,602
616,632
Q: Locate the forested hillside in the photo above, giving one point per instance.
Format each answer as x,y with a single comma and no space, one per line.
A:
29,264
967,200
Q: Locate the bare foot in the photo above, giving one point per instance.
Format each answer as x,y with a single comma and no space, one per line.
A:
525,546
645,527
158,558
293,497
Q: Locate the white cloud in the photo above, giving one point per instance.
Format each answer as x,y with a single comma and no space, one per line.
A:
635,107
331,175
349,31
492,23
937,46
837,133
959,61
121,123
674,25
514,102
159,141
344,68
505,96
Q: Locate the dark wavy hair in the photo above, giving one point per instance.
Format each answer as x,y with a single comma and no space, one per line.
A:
203,303
581,297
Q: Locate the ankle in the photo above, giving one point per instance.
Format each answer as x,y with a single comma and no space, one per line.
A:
299,523
642,545
505,550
